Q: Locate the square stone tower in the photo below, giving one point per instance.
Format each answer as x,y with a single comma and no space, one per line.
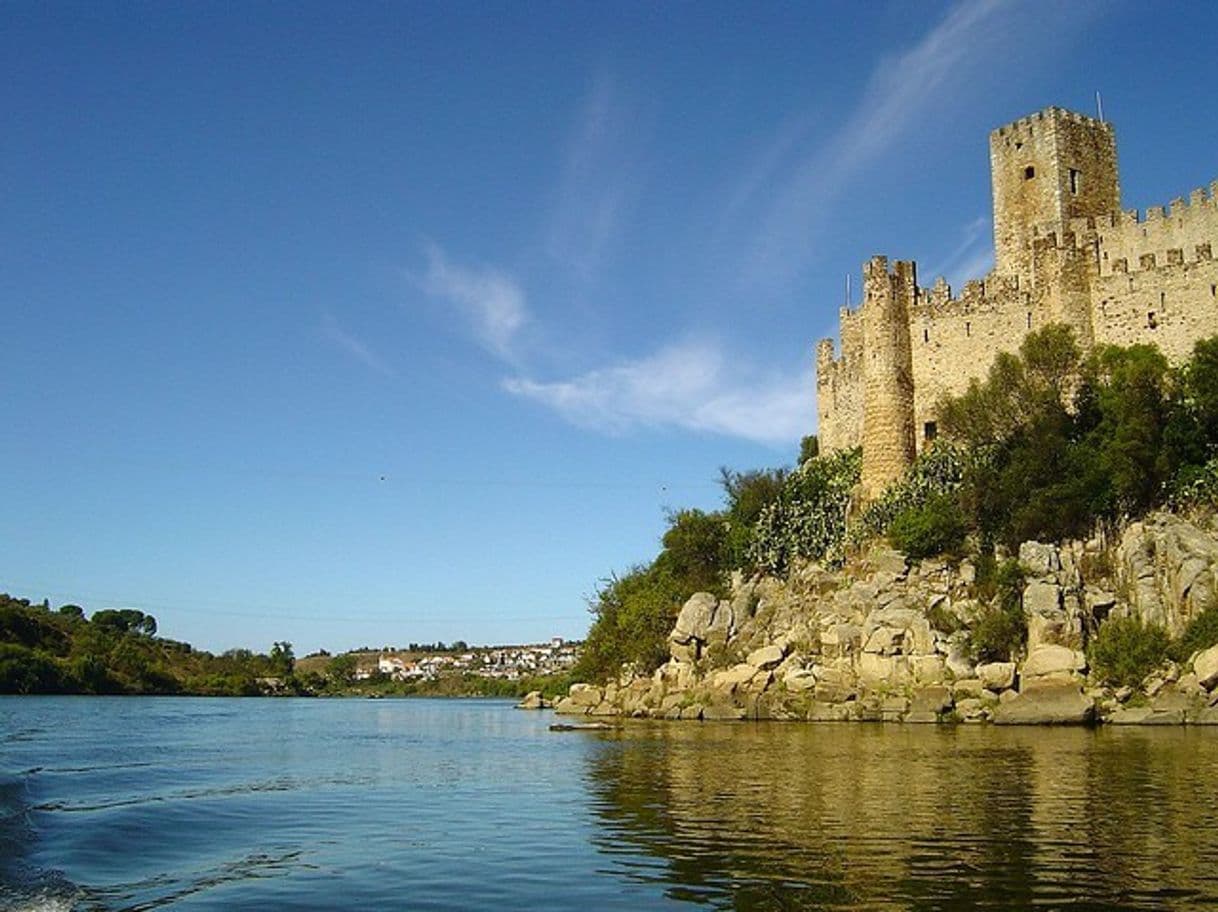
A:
1047,168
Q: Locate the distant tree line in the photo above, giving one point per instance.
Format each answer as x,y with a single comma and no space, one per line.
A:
116,651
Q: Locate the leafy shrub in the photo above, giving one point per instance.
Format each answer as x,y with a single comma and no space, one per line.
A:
1196,486
809,448
942,619
934,527
808,519
748,494
996,634
695,550
633,614
1000,629
28,671
936,472
1201,633
1126,650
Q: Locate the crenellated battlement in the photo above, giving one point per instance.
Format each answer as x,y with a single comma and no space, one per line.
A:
1186,231
1028,125
1065,252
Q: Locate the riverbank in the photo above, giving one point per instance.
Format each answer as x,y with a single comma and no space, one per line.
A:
888,639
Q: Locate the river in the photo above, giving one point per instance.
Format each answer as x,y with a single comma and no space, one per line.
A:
281,804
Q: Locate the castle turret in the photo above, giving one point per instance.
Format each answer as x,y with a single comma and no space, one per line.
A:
888,392
1046,169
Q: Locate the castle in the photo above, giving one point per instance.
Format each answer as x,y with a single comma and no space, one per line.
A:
1064,252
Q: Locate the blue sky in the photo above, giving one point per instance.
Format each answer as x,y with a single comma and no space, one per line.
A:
370,323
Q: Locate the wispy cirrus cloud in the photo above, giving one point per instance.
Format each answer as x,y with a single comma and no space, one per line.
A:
794,196
598,179
692,386
491,302
971,258
354,347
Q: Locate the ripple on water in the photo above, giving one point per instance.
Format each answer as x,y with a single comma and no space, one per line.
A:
294,805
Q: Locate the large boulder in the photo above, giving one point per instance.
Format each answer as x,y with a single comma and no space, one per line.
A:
722,712
1054,704
931,700
766,657
958,662
1039,559
585,695
1053,660
696,618
997,676
1042,597
876,669
1205,666
533,700
927,669
730,678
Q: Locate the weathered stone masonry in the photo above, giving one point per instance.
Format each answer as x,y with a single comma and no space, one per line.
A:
1064,252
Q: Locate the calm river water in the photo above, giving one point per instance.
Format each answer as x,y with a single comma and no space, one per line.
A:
144,803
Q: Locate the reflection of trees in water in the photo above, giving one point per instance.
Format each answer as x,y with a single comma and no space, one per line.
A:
810,817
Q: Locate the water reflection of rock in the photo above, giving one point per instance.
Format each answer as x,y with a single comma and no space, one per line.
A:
773,816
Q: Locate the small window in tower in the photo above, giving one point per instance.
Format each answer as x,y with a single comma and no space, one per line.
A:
968,328
1151,322
1029,320
1163,299
930,430
1074,179
925,335
1029,173
1214,291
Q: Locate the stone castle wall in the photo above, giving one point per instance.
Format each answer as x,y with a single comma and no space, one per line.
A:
1064,253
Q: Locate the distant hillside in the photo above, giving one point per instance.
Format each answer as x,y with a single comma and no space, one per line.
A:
117,651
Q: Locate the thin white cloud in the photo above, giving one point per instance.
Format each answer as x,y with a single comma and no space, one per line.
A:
798,198
975,266
355,347
690,386
598,179
490,301
971,258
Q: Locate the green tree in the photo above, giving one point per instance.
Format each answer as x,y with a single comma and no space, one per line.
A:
632,615
694,550
747,495
341,669
1132,396
125,620
282,659
934,527
809,448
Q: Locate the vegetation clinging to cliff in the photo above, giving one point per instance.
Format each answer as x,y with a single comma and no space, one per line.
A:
1049,444
1070,441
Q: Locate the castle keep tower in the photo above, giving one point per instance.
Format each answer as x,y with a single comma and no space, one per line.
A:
1064,252
1046,169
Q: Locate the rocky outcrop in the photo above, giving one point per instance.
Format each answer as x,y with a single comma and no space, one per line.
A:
889,641
1169,568
533,700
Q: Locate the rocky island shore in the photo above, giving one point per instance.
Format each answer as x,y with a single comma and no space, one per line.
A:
888,639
